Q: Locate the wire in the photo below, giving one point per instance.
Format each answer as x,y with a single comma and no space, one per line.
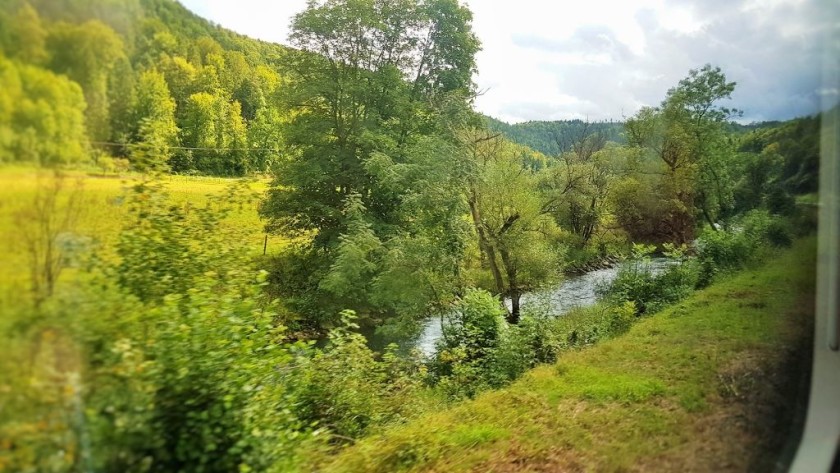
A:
139,145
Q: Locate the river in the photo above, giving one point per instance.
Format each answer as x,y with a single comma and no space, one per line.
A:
574,291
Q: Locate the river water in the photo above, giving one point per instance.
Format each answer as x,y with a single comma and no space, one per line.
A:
574,291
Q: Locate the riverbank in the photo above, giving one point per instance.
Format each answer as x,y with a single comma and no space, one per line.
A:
702,386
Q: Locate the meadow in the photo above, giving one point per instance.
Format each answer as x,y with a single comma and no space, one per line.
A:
101,213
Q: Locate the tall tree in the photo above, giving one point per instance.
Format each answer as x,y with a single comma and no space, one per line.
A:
154,119
87,53
28,36
686,132
365,70
214,127
511,220
41,116
372,80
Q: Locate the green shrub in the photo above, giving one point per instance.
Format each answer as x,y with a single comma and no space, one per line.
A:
345,389
721,251
649,292
462,364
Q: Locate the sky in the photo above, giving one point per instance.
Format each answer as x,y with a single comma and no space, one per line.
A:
602,60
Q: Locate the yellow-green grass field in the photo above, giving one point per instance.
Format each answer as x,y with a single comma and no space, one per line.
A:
101,214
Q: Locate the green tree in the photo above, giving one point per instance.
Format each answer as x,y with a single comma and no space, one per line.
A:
687,133
510,217
41,116
87,53
373,65
214,126
371,82
28,37
154,118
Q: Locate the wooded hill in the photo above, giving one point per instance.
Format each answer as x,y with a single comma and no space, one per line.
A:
145,80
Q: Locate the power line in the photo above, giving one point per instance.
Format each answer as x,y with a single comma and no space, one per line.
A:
141,145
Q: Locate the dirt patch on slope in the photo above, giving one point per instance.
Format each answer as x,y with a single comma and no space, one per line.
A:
754,420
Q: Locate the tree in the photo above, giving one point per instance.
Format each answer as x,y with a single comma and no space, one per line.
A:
215,127
28,36
578,183
87,53
41,116
686,132
153,115
372,82
510,218
52,214
365,70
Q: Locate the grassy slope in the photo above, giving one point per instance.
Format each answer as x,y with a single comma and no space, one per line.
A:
678,392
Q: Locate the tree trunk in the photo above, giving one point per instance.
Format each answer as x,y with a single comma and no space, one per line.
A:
514,314
486,247
515,292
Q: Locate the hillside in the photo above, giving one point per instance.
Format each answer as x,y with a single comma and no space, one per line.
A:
143,80
548,137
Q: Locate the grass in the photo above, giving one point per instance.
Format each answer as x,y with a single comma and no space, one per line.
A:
667,395
101,216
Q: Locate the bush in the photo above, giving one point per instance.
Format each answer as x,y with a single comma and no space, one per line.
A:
720,251
346,389
649,292
462,364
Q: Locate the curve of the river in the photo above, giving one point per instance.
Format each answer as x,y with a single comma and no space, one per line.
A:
574,291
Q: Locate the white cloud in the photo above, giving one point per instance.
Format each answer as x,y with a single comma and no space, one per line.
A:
603,59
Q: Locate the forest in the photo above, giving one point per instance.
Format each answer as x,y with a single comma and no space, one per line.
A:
206,231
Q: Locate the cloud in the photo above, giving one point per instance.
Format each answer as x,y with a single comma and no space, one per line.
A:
605,59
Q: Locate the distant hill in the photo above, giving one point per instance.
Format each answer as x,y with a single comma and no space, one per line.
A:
115,78
547,136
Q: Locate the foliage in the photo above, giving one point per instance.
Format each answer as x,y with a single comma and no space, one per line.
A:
686,133
368,173
41,116
471,333
153,114
515,233
743,244
42,225
157,247
648,291
546,137
346,390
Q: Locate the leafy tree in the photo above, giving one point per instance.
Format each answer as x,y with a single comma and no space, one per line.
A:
27,36
215,127
511,220
687,133
41,116
154,117
51,217
372,79
87,53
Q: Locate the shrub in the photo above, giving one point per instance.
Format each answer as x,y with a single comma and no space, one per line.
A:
636,282
461,366
720,251
346,389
